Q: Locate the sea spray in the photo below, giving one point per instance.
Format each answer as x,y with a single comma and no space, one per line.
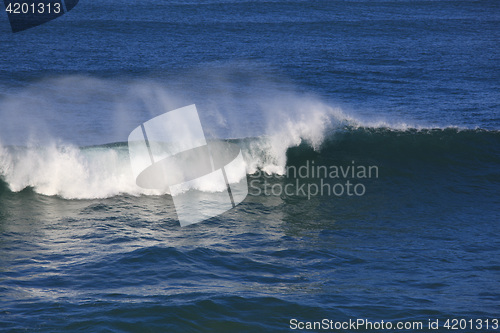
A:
44,148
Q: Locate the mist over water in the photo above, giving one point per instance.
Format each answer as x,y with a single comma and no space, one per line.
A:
47,125
65,135
233,102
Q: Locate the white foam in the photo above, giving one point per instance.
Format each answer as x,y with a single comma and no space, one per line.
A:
68,171
103,111
291,120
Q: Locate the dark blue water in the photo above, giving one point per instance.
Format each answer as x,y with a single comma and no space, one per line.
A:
409,87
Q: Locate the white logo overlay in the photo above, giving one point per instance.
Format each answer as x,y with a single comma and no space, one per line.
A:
170,153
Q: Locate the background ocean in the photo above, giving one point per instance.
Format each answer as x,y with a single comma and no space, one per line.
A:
411,87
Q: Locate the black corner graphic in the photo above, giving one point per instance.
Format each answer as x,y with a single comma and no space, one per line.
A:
70,4
25,14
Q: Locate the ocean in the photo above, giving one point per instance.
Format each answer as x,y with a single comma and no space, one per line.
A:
370,132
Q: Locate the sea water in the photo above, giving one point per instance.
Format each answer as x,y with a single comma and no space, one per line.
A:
313,92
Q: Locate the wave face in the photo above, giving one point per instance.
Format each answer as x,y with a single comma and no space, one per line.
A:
52,131
104,171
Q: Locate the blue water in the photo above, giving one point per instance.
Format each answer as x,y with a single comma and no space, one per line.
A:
411,87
